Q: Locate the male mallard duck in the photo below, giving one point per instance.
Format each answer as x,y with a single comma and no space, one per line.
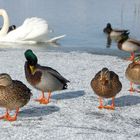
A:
13,95
106,84
132,73
43,78
114,32
129,45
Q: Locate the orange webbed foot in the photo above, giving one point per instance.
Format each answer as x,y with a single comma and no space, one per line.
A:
109,107
7,117
42,100
100,107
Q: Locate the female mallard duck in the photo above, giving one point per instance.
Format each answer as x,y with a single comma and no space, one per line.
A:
114,32
13,95
132,73
129,45
43,78
106,84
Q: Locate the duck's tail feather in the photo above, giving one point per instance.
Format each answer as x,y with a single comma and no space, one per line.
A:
65,86
126,33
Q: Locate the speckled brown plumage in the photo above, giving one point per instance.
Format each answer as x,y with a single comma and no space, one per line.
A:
15,95
133,72
106,84
106,87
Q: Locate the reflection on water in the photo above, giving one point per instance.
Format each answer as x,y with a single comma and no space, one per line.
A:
109,42
41,46
81,20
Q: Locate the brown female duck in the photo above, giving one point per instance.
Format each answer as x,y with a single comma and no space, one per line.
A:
106,84
13,95
132,73
43,78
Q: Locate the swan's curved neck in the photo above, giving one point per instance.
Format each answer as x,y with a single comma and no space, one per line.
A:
5,26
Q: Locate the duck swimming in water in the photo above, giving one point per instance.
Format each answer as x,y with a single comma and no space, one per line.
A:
114,32
43,78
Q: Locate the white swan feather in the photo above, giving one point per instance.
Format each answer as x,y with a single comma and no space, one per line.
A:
32,30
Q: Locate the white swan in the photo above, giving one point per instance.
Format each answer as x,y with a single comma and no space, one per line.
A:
33,30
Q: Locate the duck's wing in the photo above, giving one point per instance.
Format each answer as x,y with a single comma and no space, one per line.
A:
119,30
97,76
21,85
55,39
136,42
32,29
22,88
54,73
113,75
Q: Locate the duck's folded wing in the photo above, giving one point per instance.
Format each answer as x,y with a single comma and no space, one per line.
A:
121,30
136,42
55,74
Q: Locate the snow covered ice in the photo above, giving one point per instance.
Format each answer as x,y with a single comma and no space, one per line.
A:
72,114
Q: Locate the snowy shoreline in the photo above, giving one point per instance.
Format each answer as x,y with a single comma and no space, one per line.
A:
73,113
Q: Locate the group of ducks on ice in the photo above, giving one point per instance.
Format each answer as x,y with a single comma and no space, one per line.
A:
106,84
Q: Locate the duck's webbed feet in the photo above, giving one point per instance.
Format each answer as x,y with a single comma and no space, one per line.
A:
7,116
101,103
44,100
110,107
131,90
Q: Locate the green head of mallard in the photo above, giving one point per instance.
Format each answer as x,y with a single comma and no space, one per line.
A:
31,59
